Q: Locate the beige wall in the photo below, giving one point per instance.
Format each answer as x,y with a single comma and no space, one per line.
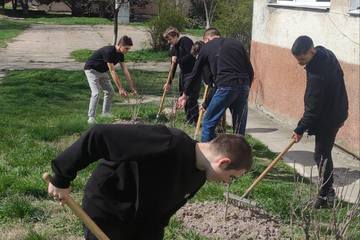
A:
280,82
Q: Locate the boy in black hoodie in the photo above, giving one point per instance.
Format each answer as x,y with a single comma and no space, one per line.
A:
181,55
326,108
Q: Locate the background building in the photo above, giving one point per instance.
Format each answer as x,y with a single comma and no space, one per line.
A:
279,83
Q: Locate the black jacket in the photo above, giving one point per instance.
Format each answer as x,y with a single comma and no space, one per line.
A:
326,102
145,175
228,61
182,51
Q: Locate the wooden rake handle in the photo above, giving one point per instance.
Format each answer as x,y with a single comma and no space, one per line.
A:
80,213
162,100
201,113
265,172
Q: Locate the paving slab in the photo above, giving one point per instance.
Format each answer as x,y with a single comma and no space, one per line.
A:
277,135
49,46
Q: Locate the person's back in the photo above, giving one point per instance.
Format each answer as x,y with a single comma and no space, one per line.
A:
99,59
228,61
325,70
182,52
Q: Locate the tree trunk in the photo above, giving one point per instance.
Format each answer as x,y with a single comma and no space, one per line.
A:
14,4
24,6
206,15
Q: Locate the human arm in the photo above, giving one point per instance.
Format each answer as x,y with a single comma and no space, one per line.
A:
185,51
116,79
208,98
59,194
314,101
114,142
296,137
167,85
250,69
128,77
190,83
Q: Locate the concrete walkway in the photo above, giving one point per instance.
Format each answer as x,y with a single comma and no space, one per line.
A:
277,136
49,46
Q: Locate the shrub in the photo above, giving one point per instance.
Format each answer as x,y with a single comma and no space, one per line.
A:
168,15
234,19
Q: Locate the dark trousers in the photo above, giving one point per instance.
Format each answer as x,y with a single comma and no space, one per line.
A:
122,231
191,106
324,142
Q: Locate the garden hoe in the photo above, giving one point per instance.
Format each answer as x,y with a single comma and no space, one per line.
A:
169,78
243,201
80,213
201,113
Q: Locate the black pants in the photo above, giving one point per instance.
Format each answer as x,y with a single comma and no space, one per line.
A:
324,142
123,231
191,106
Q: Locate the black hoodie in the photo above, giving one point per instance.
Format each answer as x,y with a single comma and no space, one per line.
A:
326,102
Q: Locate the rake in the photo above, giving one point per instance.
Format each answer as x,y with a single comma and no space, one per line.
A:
81,214
243,201
201,113
168,81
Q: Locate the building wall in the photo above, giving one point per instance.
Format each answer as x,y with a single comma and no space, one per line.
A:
279,83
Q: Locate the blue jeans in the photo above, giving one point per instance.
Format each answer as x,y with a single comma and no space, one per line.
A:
234,98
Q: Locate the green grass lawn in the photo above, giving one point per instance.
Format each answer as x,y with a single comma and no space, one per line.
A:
9,30
40,17
143,55
198,32
44,111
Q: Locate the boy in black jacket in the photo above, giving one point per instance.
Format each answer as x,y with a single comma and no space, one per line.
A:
145,174
326,108
232,71
181,55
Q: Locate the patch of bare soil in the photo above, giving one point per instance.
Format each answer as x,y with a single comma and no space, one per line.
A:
207,219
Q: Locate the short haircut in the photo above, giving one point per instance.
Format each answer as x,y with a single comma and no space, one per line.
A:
125,41
171,31
235,147
301,45
195,49
211,32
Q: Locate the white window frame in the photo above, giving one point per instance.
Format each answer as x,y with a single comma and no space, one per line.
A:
303,3
354,5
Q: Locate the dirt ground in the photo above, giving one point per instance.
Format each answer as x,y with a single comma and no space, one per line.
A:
207,219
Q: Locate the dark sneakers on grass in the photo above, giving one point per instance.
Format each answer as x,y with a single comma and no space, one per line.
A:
325,202
321,202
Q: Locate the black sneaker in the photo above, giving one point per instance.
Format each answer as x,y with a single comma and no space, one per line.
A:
321,202
331,196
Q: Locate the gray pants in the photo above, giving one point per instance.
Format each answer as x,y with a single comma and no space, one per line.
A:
96,80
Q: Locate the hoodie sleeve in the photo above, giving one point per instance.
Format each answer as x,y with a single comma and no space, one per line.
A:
185,45
314,100
195,74
114,142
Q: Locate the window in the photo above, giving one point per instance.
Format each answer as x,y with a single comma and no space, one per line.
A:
318,3
354,5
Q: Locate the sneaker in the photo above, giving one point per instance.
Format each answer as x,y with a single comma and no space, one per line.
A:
321,202
331,196
91,120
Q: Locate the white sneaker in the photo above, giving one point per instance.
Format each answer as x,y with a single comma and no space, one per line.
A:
91,120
